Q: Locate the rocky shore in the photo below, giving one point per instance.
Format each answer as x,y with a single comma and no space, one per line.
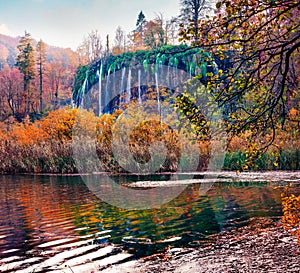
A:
262,246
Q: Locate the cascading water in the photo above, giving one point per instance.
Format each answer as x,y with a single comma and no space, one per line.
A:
175,65
114,81
168,76
128,89
100,88
107,87
157,92
145,64
119,82
83,91
139,87
122,100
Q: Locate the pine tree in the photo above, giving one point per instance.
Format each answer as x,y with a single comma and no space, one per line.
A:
141,20
41,60
139,32
26,63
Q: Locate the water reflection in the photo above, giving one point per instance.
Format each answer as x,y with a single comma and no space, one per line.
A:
35,210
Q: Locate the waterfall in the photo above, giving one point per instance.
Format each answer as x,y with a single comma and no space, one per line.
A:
190,68
83,91
216,68
107,88
145,64
175,74
100,88
117,77
157,92
114,82
139,87
168,76
122,85
161,72
128,89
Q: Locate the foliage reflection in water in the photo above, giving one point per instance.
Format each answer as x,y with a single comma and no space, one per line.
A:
36,211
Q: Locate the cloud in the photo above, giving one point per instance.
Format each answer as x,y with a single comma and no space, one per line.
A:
4,29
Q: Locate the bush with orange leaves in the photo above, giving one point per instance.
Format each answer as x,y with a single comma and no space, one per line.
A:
291,211
42,146
47,145
125,142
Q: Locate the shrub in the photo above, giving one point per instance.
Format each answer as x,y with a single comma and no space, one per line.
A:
291,211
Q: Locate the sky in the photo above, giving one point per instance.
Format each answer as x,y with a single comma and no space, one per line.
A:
65,23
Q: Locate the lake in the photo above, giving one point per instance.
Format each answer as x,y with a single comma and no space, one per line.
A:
55,221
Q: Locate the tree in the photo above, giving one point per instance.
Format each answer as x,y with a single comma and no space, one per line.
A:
192,11
120,41
91,48
41,60
139,31
257,46
171,31
107,47
141,20
4,53
26,64
11,94
154,33
55,75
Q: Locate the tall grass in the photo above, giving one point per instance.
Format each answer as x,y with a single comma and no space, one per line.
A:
288,160
45,146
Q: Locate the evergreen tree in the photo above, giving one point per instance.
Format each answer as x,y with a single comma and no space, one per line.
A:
41,60
139,32
26,63
141,20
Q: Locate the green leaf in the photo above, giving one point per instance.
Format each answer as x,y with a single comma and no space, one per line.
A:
218,5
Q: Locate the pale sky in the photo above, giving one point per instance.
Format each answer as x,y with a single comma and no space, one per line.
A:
64,23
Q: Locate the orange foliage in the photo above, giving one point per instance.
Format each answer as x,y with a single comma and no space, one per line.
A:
42,146
291,212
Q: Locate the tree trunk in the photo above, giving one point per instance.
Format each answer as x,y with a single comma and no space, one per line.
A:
41,89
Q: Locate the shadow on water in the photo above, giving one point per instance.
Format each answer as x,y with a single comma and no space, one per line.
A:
38,210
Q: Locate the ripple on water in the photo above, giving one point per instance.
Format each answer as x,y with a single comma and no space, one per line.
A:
51,222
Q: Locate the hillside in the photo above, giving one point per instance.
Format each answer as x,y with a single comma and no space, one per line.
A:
57,80
8,52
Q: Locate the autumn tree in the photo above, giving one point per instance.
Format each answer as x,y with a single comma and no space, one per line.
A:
192,11
154,33
257,46
4,53
120,41
91,48
171,30
55,80
107,45
41,60
11,92
26,63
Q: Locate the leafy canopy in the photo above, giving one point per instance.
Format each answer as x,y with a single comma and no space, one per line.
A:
258,44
